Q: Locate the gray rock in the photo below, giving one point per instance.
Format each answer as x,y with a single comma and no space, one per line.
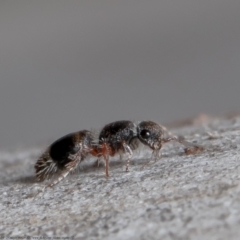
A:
179,197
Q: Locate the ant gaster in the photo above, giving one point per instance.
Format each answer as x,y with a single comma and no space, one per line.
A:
64,155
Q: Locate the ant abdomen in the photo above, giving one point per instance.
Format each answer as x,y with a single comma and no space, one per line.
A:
65,154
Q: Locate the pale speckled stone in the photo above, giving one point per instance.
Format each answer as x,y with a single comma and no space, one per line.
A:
179,197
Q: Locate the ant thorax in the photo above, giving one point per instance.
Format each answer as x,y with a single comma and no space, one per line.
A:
117,133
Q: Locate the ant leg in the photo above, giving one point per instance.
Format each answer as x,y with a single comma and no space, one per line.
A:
69,168
106,158
60,178
127,149
156,155
120,156
98,161
105,152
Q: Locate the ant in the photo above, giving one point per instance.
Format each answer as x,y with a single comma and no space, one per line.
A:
65,154
124,135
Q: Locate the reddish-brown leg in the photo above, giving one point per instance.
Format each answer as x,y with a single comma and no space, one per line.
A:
106,151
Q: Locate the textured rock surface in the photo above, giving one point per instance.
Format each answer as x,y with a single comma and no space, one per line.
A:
179,197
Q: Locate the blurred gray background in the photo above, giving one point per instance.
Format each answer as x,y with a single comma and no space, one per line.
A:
72,65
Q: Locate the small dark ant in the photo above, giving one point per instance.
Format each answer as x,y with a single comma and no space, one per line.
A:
124,135
65,155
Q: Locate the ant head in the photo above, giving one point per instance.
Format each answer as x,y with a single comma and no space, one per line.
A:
150,134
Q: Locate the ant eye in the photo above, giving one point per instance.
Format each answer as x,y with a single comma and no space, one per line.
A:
145,134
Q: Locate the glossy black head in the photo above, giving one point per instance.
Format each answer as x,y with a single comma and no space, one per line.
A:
116,132
69,145
150,134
